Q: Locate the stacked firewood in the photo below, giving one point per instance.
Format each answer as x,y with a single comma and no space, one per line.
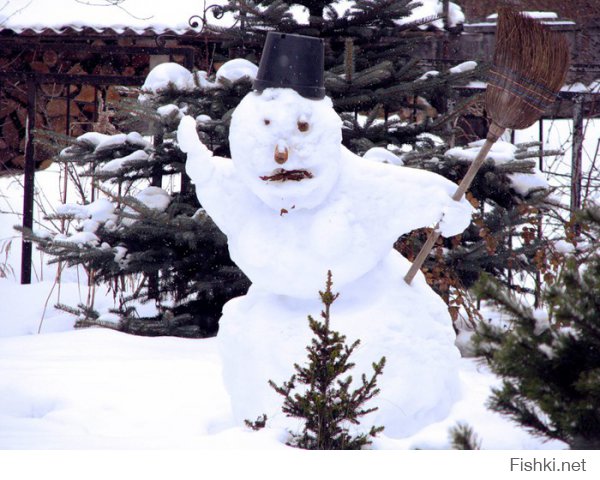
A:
64,109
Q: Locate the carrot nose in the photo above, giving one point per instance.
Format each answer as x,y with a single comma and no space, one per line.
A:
281,156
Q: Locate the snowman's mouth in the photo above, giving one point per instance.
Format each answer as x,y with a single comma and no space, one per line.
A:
282,175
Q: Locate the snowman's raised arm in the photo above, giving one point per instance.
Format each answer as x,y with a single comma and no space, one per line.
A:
456,215
200,165
453,216
422,199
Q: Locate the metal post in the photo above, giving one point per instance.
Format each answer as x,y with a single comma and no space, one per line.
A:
28,183
188,59
446,13
538,275
576,173
185,181
541,135
156,179
509,270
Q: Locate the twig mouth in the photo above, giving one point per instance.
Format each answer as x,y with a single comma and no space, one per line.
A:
282,175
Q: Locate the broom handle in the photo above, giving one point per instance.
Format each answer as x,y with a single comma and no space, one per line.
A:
493,135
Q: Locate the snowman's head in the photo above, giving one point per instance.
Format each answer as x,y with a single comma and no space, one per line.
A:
286,148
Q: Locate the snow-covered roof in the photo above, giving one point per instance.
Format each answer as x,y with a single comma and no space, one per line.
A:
142,16
549,18
100,15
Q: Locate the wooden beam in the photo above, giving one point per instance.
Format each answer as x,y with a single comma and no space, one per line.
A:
76,79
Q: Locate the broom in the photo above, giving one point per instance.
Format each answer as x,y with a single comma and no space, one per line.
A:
529,68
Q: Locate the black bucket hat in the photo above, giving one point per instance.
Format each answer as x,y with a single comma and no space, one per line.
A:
292,61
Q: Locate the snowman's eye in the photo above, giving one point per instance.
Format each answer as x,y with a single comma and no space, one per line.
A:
303,126
267,121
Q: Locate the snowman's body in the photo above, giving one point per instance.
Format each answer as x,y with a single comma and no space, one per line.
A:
335,212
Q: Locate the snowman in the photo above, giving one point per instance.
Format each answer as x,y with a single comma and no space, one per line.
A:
295,204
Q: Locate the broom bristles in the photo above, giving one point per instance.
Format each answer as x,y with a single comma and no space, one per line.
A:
530,67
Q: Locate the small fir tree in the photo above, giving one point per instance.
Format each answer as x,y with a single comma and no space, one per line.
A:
550,364
327,405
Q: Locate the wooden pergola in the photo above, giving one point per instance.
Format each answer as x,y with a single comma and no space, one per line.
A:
81,65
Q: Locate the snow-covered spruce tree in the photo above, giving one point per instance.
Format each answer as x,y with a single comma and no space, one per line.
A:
151,245
398,110
319,394
373,69
550,361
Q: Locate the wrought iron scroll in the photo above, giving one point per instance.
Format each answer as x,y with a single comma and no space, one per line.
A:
216,11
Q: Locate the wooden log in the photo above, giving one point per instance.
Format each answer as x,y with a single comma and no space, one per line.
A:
57,107
112,95
87,94
50,58
18,161
104,70
140,61
13,134
44,164
21,115
58,124
128,71
16,92
52,89
126,41
8,106
76,69
39,67
77,128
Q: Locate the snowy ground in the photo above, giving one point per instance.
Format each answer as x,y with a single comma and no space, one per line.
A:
97,388
101,389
